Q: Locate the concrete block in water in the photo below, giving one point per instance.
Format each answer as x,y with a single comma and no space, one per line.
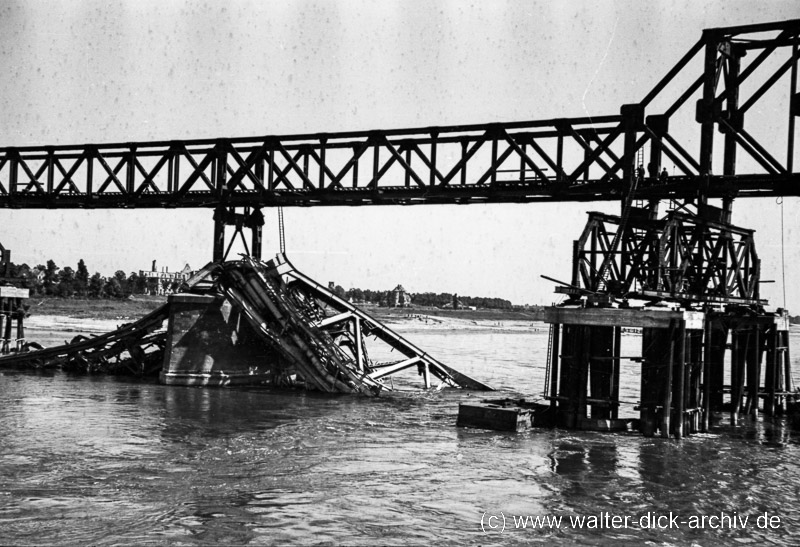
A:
493,416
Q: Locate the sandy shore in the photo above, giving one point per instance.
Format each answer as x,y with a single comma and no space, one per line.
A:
71,324
47,328
429,322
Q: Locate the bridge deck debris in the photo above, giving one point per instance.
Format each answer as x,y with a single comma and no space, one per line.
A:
322,340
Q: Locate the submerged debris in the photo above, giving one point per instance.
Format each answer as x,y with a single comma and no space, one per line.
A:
322,340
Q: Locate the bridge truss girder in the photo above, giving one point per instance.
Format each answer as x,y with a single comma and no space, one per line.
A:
577,159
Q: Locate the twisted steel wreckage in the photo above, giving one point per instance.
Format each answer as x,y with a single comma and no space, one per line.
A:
672,263
253,322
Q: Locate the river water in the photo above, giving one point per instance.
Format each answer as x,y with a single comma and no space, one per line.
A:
105,461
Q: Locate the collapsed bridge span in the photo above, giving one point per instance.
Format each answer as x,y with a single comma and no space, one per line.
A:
252,322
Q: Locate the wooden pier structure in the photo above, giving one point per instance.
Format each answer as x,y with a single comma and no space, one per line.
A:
690,281
692,364
13,307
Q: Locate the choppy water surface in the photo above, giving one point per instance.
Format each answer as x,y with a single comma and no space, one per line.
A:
104,461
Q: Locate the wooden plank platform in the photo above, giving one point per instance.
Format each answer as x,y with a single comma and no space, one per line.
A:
623,317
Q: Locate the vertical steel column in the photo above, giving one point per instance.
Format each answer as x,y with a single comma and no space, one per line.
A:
586,154
583,372
554,362
13,170
560,155
256,239
90,153
659,124
3,348
7,333
576,250
130,171
569,378
632,119
595,261
616,364
655,380
734,118
666,405
794,110
432,178
738,363
493,178
376,163
51,170
754,372
255,222
680,382
219,234
601,370
20,331
769,373
784,370
705,113
219,176
694,396
706,375
221,167
407,171
463,179
788,364
175,169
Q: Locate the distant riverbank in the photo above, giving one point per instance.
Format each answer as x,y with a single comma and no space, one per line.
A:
140,305
96,308
398,314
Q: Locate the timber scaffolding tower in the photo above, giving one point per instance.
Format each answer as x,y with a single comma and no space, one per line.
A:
687,278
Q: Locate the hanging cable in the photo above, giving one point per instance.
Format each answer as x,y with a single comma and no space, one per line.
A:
783,255
281,234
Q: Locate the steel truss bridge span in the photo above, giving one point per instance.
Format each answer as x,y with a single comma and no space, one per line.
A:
566,159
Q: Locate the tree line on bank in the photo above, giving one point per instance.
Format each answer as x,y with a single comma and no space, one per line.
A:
426,299
51,280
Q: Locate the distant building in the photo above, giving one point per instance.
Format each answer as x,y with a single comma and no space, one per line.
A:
457,304
399,298
166,277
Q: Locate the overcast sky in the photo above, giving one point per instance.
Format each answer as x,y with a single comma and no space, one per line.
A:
76,72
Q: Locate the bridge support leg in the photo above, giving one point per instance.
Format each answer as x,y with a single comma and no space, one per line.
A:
255,248
602,364
219,239
656,381
249,218
7,333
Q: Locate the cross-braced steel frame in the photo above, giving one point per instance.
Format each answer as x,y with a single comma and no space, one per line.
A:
679,257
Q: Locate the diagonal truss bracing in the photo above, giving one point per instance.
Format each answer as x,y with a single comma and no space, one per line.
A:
495,162
726,73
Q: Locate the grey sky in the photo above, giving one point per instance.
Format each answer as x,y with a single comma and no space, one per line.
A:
79,72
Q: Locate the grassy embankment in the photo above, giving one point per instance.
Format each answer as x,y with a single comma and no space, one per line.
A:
141,305
96,308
